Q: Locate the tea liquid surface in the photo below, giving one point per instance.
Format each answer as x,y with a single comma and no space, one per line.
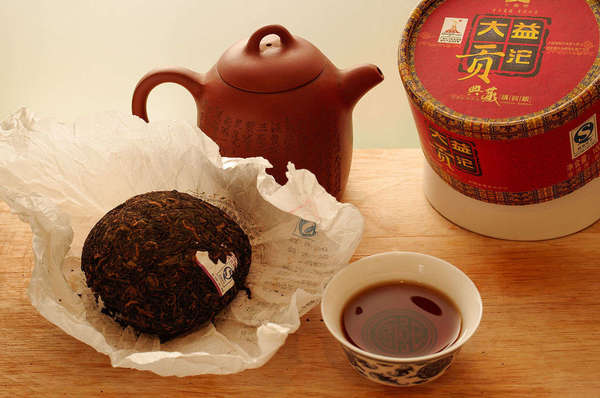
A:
401,319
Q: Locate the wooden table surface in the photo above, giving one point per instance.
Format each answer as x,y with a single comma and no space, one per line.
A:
539,336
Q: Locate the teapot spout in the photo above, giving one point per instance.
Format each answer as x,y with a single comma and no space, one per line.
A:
357,81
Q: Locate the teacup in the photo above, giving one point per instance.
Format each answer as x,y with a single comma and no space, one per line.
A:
409,267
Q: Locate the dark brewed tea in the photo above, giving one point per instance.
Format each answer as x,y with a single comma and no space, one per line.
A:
401,320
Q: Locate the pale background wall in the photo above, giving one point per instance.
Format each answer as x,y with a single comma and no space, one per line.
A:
65,58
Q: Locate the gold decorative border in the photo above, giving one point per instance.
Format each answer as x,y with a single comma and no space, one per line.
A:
575,103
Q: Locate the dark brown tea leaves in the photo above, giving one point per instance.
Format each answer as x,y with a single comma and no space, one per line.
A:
141,259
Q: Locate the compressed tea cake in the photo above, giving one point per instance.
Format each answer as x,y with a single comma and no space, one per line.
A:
165,262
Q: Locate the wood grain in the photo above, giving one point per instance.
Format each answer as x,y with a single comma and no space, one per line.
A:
538,337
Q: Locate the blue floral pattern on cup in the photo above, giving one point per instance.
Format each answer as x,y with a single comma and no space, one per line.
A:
399,373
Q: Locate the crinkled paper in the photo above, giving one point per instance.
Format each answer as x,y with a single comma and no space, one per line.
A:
62,178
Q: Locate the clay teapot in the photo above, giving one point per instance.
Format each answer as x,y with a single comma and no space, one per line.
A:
277,96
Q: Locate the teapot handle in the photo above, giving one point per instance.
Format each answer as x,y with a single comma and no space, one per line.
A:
253,45
187,78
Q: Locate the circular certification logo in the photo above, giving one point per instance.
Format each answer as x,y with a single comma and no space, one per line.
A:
307,229
227,273
584,133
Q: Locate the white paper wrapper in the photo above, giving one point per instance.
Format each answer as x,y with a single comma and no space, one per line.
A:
61,179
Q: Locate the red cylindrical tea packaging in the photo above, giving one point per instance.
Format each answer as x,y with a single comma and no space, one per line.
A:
505,96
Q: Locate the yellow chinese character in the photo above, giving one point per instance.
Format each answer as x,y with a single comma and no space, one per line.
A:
444,156
492,25
467,163
491,95
476,89
481,60
462,147
518,56
440,137
518,1
524,31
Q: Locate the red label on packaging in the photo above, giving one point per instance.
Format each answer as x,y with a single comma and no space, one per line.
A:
515,172
505,58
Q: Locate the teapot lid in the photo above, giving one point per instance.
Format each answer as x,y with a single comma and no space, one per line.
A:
270,66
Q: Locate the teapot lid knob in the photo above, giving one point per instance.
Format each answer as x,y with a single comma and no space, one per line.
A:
253,44
265,64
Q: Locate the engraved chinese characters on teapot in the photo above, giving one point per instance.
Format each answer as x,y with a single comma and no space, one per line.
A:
277,96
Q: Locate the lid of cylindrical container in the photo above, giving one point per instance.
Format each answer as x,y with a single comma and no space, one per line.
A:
502,69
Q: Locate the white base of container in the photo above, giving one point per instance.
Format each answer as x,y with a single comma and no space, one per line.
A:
552,219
